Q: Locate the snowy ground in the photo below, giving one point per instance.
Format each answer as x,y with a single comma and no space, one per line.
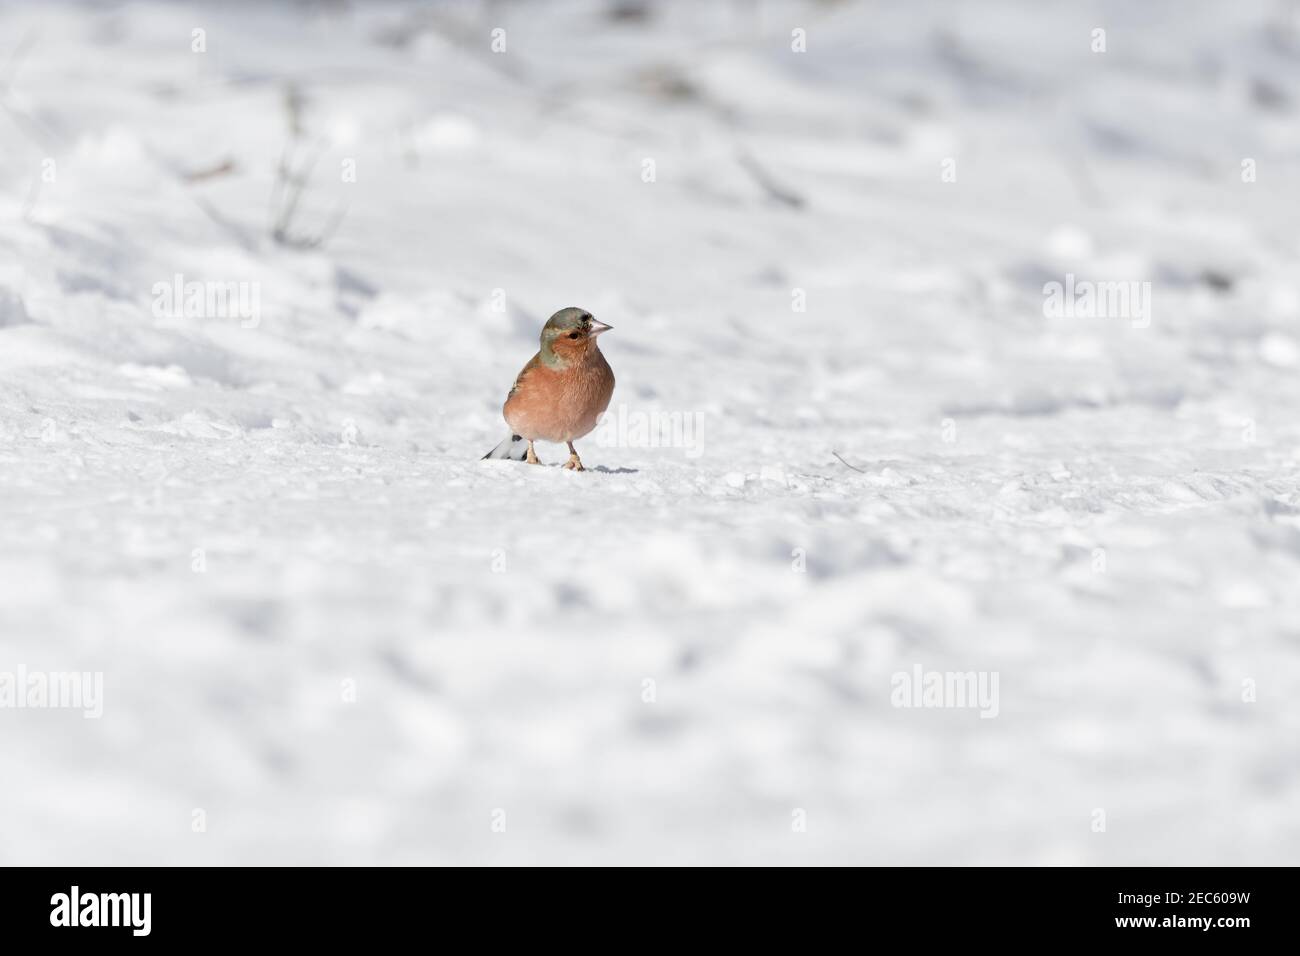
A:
324,623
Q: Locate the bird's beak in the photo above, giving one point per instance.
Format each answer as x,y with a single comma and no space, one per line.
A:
598,327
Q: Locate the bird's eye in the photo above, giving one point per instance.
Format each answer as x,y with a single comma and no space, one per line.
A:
575,335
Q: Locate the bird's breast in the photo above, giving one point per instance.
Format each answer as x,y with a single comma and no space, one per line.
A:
561,404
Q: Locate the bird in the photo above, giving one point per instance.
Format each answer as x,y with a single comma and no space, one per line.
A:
561,392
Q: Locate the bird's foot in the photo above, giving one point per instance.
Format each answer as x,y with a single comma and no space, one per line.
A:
531,457
574,463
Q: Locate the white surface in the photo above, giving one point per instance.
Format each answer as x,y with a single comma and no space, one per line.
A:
127,441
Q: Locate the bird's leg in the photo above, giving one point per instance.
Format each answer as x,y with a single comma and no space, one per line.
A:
574,461
531,457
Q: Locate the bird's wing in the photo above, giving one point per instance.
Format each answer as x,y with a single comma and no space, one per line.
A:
534,363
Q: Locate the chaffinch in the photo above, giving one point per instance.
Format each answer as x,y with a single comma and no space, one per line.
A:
560,393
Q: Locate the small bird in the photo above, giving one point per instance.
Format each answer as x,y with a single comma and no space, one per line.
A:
561,392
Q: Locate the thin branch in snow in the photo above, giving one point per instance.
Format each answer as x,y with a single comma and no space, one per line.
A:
292,179
846,464
774,190
223,168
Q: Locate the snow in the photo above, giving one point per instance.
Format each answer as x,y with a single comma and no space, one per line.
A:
326,624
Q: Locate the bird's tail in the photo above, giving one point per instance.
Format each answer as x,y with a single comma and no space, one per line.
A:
513,448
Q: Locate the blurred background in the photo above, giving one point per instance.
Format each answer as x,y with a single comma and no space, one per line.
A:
823,233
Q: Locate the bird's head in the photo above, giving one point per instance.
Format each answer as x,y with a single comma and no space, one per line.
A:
569,333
